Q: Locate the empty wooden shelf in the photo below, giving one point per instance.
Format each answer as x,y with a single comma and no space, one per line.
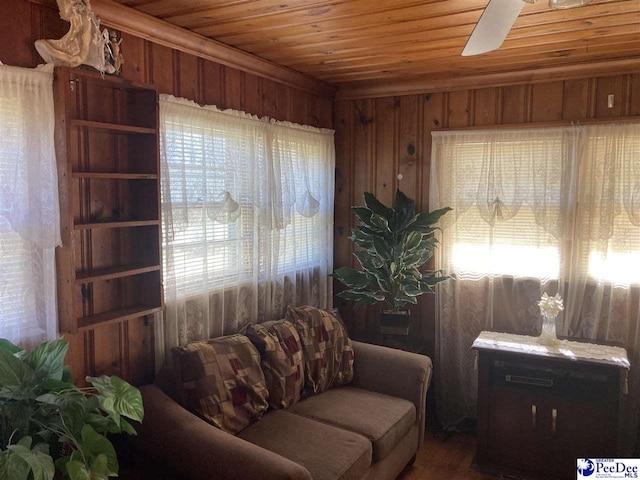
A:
109,267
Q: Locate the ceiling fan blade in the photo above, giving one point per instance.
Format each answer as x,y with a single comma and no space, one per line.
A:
493,26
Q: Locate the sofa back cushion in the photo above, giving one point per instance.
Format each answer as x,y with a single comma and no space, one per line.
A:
281,350
327,350
221,381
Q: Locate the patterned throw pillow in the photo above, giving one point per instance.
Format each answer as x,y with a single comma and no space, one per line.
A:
279,345
221,381
328,354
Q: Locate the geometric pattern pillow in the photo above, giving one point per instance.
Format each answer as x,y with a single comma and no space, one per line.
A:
221,381
279,345
327,350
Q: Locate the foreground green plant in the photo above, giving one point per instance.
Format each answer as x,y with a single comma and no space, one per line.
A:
396,242
47,423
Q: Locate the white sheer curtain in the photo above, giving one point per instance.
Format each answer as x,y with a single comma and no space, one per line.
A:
501,244
29,210
603,273
247,208
535,210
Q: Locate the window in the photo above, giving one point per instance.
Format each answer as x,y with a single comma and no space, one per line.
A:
529,203
200,169
610,184
302,243
507,192
277,177
29,215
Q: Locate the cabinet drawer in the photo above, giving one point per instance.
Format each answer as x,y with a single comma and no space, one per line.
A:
569,384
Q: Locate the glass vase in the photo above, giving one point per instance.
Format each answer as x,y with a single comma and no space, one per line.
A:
548,334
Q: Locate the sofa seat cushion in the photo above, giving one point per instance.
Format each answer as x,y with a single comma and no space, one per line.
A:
382,419
329,453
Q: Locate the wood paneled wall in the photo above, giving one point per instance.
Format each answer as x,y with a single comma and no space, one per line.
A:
127,349
379,138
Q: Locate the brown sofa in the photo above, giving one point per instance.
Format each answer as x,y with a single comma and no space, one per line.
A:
369,429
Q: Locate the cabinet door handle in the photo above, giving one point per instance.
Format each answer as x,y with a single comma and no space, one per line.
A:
554,419
536,382
534,411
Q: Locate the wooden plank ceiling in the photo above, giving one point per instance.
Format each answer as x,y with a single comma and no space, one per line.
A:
366,42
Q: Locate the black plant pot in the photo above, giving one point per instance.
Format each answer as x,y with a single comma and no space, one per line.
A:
394,323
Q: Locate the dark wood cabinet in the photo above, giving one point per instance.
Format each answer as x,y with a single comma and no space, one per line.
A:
538,413
109,266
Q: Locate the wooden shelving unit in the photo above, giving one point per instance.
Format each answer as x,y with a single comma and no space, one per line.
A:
115,176
111,273
114,127
109,268
97,225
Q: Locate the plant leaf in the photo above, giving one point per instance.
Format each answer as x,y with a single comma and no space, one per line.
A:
72,406
382,248
356,295
361,238
78,470
350,277
413,241
51,385
404,204
48,358
425,220
368,261
363,214
376,206
100,467
39,463
15,468
127,428
95,444
61,463
13,372
380,223
10,347
103,424
66,374
117,397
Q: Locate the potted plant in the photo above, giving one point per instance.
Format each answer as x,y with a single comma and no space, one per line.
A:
395,243
49,424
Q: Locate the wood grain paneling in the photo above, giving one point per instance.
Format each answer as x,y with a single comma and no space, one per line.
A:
375,43
126,349
376,137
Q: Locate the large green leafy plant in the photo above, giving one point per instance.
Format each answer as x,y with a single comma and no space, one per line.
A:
395,243
47,423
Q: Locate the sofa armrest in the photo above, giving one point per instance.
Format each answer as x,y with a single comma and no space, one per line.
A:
395,373
194,449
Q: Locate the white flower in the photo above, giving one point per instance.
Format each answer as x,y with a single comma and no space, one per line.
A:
551,306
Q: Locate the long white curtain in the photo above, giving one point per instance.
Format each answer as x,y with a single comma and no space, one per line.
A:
247,208
29,210
535,210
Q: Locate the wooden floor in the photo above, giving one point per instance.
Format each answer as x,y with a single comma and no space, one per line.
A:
445,457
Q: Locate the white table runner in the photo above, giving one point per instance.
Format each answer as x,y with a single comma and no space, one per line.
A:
564,349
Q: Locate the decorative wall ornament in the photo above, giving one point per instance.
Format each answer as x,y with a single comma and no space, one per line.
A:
84,43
